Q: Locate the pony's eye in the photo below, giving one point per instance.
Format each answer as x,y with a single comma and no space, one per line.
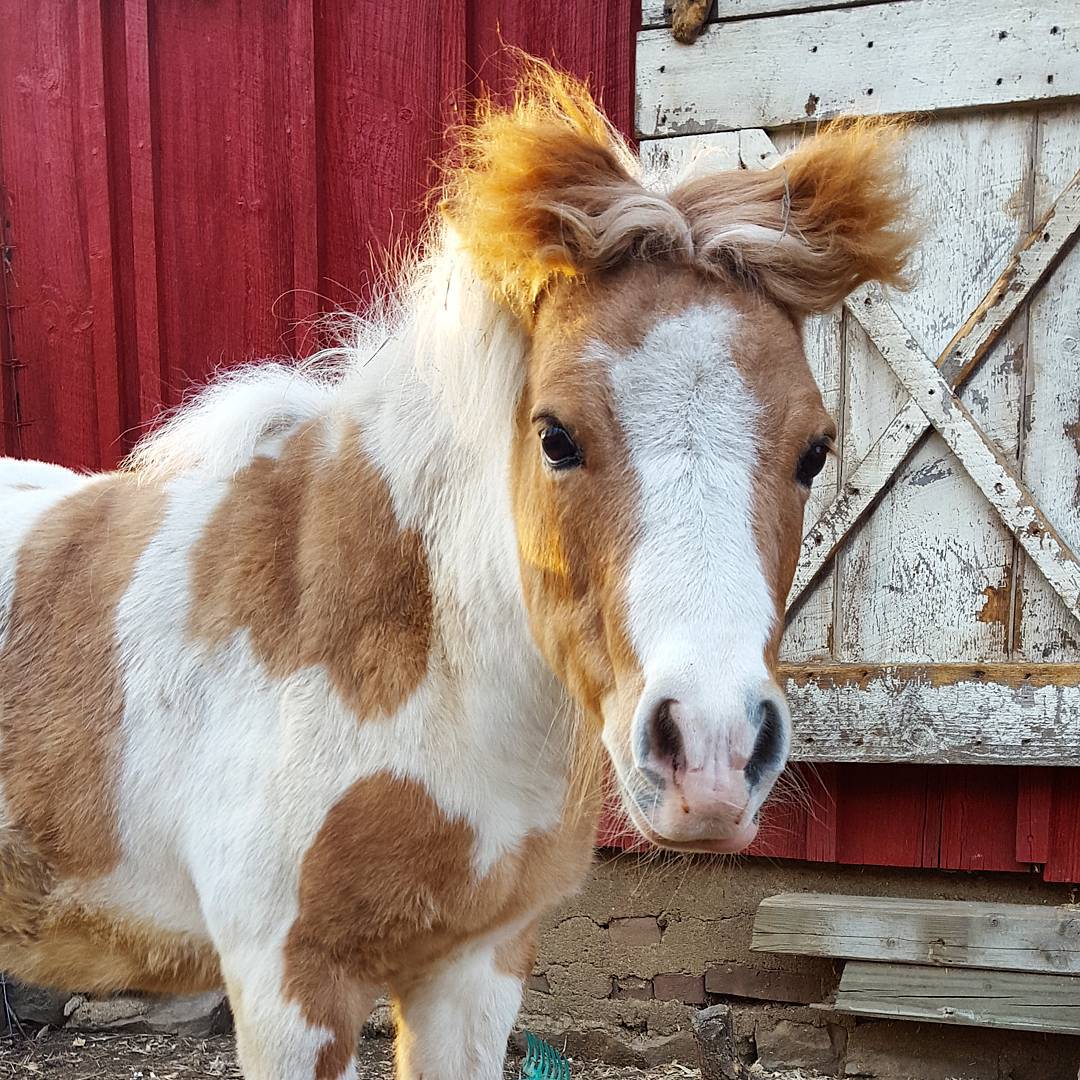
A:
560,450
812,462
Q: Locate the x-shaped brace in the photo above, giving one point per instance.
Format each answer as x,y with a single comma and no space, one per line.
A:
932,386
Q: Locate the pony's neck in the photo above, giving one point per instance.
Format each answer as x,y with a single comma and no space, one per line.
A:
435,404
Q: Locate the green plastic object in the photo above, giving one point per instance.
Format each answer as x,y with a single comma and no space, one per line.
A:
543,1062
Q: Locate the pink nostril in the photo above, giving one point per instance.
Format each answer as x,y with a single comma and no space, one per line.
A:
665,739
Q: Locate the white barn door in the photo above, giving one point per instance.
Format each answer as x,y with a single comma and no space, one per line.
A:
935,616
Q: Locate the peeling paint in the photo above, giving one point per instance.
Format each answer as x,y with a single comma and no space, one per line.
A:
996,605
930,473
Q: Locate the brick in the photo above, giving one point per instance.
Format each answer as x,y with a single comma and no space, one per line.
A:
738,980
629,987
688,988
637,931
787,1044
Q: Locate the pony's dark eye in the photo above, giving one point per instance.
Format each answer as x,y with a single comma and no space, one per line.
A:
560,450
811,463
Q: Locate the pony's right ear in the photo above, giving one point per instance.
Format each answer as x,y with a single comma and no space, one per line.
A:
533,191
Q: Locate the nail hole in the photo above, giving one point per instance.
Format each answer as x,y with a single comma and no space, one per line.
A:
663,68
1046,236
813,48
1053,29
1049,78
998,82
869,44
870,91
1002,35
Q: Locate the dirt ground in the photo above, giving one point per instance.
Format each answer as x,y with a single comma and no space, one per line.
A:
66,1055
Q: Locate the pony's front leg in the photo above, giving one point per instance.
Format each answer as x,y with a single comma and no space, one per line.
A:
454,1020
297,1018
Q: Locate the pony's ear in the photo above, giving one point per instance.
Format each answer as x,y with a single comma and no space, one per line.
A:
531,185
828,217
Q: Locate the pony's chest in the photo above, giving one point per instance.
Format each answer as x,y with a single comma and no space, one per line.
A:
392,883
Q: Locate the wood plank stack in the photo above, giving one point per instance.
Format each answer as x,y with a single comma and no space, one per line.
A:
951,962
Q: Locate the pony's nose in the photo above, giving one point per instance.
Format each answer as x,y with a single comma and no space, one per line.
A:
715,756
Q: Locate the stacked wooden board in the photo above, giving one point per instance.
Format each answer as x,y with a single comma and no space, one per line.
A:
951,962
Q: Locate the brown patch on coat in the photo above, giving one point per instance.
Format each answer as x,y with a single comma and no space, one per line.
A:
61,694
576,530
516,956
306,554
64,945
388,889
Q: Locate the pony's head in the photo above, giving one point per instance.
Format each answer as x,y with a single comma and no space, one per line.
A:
669,428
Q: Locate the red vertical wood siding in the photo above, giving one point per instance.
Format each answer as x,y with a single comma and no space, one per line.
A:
185,186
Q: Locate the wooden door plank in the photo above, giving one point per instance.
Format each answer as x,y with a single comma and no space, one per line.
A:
1029,267
1004,714
994,475
879,59
916,575
1017,1000
656,13
946,933
1050,449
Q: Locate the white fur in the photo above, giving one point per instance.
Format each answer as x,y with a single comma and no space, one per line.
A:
242,414
699,607
455,1023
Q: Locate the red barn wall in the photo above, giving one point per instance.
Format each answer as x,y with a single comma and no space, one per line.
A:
184,185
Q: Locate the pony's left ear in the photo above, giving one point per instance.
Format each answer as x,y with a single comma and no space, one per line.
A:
541,189
833,214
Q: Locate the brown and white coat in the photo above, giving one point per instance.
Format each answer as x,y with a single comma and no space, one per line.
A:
312,698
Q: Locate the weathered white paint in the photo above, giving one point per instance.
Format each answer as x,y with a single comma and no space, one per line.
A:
983,461
933,714
945,933
1050,454
1028,268
932,547
882,58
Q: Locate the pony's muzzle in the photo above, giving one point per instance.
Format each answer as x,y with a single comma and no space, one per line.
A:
703,775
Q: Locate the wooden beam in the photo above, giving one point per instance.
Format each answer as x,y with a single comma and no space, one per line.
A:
943,933
879,59
1003,714
1029,266
1004,999
993,474
656,13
